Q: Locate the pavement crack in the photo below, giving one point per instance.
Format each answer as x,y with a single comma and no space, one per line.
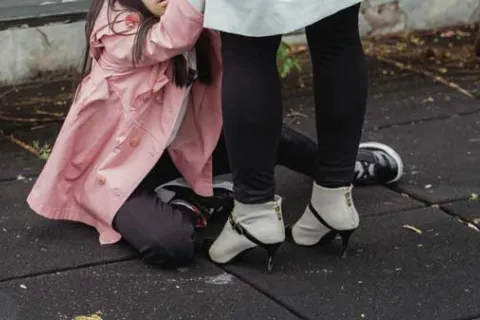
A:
25,176
392,212
475,317
66,269
422,120
471,223
20,143
255,287
440,206
428,74
425,202
44,37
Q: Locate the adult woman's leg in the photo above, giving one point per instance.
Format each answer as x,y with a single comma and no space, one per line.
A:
252,115
340,88
252,111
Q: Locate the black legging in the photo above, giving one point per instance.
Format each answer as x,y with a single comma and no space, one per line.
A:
252,104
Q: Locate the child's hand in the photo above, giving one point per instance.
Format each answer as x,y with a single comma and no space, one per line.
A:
156,7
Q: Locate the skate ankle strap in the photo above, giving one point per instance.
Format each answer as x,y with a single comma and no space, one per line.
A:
319,218
243,232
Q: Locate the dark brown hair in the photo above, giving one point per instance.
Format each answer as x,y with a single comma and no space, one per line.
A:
182,76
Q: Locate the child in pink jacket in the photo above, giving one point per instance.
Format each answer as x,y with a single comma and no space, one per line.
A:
146,113
142,97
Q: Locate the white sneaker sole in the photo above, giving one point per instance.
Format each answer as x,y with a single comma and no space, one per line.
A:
388,150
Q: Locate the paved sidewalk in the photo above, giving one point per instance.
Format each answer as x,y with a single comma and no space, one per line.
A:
424,101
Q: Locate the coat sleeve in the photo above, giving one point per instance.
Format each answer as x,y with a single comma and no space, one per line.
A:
176,33
198,4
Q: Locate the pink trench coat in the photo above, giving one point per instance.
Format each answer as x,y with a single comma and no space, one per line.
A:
121,121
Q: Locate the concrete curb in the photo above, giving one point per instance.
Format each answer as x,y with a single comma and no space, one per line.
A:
26,52
38,37
42,14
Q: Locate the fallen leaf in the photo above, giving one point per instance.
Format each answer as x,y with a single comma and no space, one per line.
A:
472,226
474,197
447,34
407,226
463,34
443,70
294,113
428,186
95,316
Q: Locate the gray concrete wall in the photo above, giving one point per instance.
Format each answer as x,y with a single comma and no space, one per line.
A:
26,50
385,16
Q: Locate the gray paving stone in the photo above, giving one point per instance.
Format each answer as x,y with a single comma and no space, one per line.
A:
30,244
37,241
441,157
391,273
127,291
468,210
15,161
395,98
9,310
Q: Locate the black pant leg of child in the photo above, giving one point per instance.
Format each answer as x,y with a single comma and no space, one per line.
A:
163,234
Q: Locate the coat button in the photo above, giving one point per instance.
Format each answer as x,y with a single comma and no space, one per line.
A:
101,179
134,142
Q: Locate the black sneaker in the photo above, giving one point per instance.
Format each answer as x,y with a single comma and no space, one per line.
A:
220,203
377,163
194,213
205,207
